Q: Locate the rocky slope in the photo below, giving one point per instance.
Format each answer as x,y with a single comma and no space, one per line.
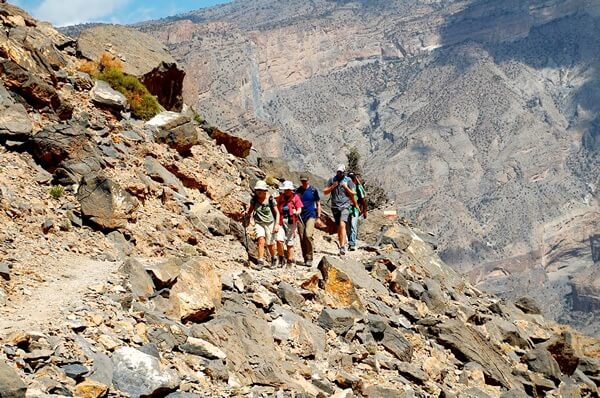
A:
478,117
131,278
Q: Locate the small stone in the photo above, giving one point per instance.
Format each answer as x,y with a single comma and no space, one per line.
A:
75,371
90,389
288,294
47,226
338,320
202,348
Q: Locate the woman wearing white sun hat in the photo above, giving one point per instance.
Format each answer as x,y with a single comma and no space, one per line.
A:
289,206
264,216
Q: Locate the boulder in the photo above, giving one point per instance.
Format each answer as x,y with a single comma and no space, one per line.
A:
561,348
90,389
104,95
11,384
468,344
338,286
174,129
142,375
139,280
338,320
541,361
252,354
66,150
142,55
235,145
202,348
308,338
158,173
165,273
197,293
289,295
33,89
105,203
15,123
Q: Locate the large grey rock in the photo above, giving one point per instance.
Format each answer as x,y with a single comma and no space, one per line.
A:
105,203
15,123
528,305
139,280
175,130
355,271
308,338
158,173
246,338
339,320
141,375
11,384
289,295
468,344
103,94
541,361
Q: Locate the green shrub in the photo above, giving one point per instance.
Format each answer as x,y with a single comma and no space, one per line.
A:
57,191
143,104
198,119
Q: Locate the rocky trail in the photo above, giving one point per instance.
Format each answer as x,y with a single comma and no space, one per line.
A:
63,286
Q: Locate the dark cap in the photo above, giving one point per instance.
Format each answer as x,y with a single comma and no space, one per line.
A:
352,174
304,177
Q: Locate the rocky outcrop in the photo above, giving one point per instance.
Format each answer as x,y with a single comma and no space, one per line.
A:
142,56
103,94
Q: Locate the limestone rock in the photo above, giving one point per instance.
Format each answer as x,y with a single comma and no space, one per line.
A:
11,384
142,375
103,94
338,285
197,293
105,203
338,320
203,348
91,389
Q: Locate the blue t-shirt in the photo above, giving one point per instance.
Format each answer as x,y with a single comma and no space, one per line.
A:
309,198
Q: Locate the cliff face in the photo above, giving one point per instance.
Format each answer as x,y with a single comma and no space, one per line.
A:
478,117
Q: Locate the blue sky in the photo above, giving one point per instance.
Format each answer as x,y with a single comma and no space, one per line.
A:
70,12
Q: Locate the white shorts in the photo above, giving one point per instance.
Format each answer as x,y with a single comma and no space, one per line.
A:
265,231
287,234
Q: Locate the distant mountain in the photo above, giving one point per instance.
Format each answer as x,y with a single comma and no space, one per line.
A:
480,118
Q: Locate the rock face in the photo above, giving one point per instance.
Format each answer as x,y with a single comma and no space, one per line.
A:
142,56
11,384
506,176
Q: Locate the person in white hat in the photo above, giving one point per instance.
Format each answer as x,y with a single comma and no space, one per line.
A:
342,198
290,207
264,216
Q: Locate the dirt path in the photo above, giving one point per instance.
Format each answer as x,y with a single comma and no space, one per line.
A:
64,286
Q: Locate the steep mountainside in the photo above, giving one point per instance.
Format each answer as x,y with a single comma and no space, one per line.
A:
125,270
479,117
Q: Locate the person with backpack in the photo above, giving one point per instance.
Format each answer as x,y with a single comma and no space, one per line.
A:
356,211
311,211
290,208
264,216
342,197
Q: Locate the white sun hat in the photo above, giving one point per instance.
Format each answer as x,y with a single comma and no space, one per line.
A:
261,186
287,185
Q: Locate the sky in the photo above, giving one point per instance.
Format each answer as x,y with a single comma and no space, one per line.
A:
71,12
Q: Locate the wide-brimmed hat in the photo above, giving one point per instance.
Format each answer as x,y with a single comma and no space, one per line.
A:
261,186
341,168
287,185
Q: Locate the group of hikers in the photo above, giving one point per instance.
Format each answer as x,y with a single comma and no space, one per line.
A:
297,211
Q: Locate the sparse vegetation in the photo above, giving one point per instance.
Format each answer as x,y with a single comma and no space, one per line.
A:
143,104
57,191
272,181
66,225
353,158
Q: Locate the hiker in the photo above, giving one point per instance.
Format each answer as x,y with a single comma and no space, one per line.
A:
264,216
356,211
290,207
342,197
311,211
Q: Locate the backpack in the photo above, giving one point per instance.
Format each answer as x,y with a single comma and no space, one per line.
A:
361,197
271,203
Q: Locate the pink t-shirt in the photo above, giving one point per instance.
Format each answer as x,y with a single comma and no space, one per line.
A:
287,207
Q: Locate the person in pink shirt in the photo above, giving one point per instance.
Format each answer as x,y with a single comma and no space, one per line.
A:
290,207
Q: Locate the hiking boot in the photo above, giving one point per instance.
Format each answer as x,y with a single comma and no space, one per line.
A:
308,263
352,248
260,264
343,251
274,262
290,262
282,261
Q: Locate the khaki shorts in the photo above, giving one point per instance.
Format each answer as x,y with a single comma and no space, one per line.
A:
265,231
287,234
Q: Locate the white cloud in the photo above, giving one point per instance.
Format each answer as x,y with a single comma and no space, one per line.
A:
71,12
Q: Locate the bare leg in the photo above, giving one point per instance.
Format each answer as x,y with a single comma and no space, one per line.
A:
261,248
280,250
342,236
290,254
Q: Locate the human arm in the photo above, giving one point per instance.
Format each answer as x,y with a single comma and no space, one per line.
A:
297,205
331,185
276,216
350,194
248,215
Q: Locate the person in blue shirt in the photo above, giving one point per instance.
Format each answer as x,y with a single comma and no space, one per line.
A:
311,212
